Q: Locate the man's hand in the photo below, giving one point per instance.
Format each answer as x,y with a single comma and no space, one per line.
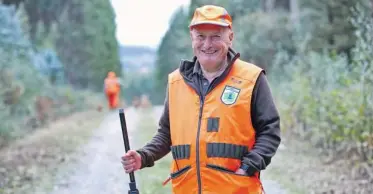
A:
131,161
241,172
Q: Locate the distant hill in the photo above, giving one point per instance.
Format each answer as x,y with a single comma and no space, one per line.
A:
137,58
135,50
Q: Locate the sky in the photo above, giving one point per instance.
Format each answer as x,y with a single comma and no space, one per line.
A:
144,22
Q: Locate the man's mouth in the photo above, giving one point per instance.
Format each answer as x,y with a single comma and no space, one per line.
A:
210,52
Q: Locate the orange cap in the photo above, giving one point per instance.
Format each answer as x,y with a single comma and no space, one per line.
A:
211,14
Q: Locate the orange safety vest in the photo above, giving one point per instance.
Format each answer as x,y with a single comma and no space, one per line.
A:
209,139
112,85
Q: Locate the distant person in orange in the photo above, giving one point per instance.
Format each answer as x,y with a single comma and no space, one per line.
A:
112,89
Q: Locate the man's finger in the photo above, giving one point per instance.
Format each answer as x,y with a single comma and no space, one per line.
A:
129,164
128,167
129,170
127,157
130,161
131,153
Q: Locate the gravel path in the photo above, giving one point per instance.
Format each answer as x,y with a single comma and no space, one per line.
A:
99,169
272,187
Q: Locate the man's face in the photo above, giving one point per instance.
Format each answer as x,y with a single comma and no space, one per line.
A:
210,44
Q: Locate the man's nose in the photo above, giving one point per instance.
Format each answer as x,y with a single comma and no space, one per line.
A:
207,43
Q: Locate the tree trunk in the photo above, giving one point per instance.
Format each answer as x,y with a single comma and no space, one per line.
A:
294,8
268,5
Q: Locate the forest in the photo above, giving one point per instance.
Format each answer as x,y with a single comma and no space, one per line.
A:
318,55
54,56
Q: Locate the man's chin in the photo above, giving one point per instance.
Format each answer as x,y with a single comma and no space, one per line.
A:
207,64
207,57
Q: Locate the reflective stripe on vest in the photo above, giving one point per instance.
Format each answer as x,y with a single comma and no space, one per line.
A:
210,135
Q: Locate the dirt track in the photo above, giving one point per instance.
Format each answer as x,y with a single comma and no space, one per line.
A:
99,170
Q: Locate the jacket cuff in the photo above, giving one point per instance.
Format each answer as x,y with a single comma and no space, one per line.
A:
251,171
144,159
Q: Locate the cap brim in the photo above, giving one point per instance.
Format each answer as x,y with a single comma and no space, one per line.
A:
209,22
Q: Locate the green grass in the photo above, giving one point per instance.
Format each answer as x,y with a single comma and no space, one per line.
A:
150,179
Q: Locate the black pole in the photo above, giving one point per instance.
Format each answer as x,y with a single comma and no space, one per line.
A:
132,183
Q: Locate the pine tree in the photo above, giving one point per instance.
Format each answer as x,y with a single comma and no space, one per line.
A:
329,23
87,44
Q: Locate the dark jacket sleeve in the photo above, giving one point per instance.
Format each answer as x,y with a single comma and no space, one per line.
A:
159,145
266,122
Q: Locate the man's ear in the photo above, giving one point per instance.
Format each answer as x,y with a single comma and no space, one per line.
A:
191,37
231,35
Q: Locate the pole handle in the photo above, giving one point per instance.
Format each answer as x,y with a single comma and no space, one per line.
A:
132,183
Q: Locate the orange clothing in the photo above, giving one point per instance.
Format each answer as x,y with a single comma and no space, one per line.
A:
113,100
112,90
210,136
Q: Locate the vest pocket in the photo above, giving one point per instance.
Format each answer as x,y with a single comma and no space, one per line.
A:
180,172
180,152
233,183
226,150
213,124
222,169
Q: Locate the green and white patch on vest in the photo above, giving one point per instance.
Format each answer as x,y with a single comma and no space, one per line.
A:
229,95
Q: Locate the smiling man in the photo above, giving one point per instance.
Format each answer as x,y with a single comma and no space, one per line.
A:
219,121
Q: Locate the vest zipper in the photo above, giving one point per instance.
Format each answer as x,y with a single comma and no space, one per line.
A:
201,102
